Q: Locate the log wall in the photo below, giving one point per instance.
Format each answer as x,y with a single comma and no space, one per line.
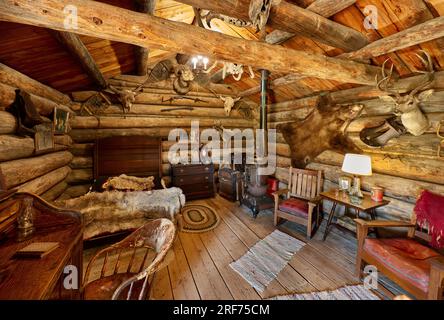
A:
403,167
23,169
147,117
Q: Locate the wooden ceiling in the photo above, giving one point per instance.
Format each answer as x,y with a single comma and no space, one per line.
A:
35,52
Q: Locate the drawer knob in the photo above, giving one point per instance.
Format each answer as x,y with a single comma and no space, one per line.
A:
206,168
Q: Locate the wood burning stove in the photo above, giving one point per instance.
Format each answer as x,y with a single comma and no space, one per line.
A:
254,194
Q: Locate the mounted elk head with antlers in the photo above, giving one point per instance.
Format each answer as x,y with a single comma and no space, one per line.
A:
407,105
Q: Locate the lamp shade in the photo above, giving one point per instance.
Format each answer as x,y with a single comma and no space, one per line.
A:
357,164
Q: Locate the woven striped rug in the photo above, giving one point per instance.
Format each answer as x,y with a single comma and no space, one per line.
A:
266,259
358,292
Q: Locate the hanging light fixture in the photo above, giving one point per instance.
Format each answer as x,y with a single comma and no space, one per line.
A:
200,63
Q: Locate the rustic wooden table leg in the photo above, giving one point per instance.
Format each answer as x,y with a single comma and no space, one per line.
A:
330,218
373,217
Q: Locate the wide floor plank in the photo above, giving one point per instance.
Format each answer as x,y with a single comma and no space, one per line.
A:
201,268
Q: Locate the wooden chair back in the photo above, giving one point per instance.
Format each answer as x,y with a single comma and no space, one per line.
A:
139,254
304,184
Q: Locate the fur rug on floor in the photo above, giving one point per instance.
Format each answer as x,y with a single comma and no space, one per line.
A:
113,211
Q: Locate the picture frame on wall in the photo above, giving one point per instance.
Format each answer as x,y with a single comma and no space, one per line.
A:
61,118
44,137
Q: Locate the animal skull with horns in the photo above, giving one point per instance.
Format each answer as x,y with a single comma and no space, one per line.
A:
407,105
229,103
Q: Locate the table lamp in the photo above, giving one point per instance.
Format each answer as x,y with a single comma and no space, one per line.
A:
357,165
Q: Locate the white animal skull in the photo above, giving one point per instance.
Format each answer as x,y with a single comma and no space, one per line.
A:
228,103
237,70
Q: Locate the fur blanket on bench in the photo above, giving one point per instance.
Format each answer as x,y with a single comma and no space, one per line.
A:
114,211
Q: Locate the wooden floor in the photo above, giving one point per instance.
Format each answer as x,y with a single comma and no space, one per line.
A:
201,268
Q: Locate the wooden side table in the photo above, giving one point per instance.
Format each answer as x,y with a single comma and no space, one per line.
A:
341,198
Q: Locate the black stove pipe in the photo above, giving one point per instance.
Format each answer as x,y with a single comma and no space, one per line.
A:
264,99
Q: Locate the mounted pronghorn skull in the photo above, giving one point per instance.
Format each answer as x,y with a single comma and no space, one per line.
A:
126,97
234,69
407,105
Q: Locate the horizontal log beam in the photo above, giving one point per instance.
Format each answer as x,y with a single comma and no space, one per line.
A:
427,31
413,168
44,183
82,149
55,191
160,110
8,123
77,176
76,191
18,80
112,23
7,96
395,187
291,18
150,122
13,147
81,162
44,106
14,173
360,93
324,8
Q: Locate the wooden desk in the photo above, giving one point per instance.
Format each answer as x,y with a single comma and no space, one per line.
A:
342,198
35,279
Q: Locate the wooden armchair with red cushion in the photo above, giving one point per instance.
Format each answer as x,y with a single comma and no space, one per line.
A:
409,261
303,203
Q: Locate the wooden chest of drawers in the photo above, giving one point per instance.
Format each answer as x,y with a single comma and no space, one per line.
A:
196,181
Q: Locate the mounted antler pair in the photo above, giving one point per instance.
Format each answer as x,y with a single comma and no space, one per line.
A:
407,105
408,114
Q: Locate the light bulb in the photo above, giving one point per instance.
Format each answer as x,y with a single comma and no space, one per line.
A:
194,61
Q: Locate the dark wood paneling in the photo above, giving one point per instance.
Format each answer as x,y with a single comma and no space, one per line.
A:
136,156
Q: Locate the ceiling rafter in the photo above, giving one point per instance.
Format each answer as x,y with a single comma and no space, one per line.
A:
121,25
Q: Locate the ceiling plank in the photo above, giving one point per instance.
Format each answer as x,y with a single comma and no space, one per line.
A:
109,22
292,18
78,50
142,53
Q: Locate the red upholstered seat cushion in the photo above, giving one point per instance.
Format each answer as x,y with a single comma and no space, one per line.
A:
294,206
407,258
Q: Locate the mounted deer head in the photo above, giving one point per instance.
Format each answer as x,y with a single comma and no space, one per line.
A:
407,105
323,129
